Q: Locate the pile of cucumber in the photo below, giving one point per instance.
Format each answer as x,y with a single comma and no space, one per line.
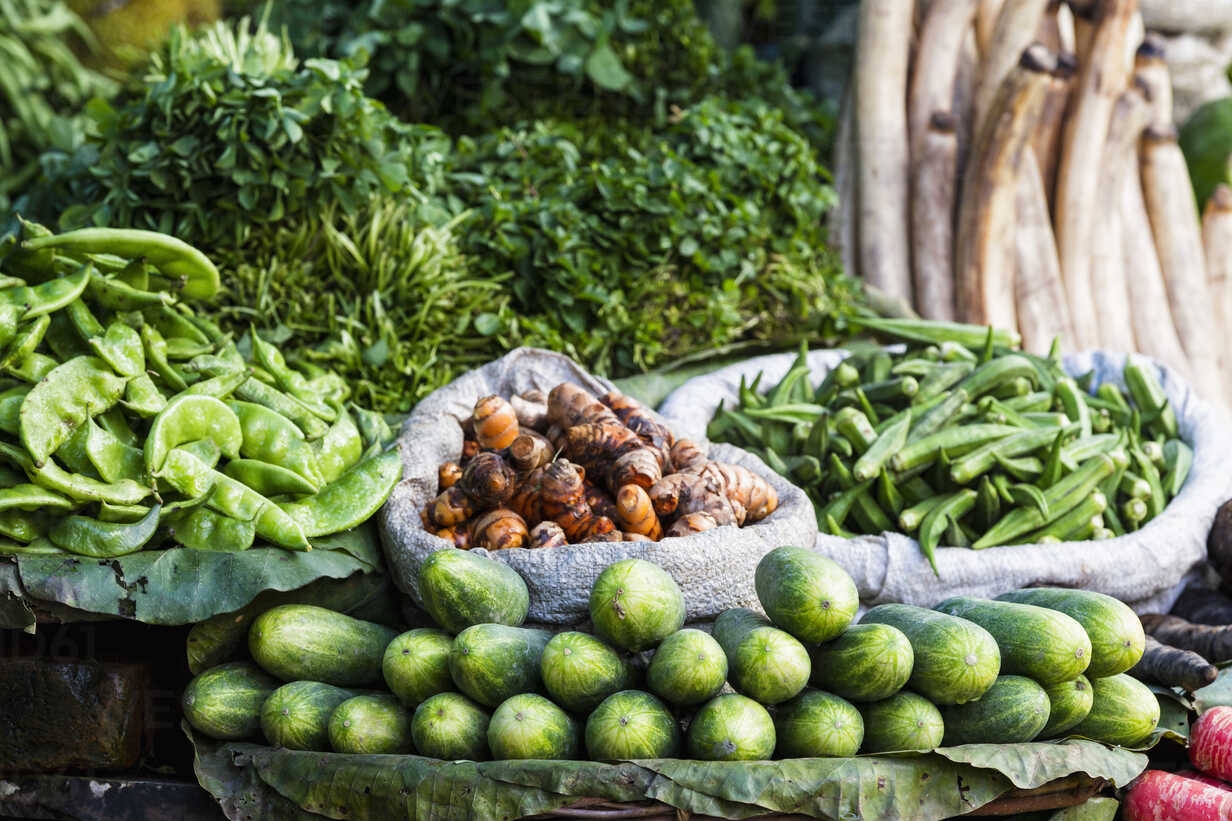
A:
962,441
800,681
130,421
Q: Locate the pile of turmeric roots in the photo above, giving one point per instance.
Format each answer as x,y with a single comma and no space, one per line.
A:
540,471
1014,163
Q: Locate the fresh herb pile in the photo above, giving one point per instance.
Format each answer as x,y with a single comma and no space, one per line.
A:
964,444
640,196
43,86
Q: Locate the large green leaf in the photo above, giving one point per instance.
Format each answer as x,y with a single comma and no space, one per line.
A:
932,786
1216,694
178,586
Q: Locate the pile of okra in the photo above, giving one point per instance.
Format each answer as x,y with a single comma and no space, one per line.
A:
960,440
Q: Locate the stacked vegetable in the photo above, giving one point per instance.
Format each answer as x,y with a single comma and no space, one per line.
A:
483,686
131,421
963,448
1016,164
626,476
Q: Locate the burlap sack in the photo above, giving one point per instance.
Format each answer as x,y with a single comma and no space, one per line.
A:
714,569
1147,568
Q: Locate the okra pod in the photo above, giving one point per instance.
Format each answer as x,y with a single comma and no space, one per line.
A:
924,451
942,378
1113,398
1046,419
1016,444
888,495
1062,497
991,375
911,517
987,503
938,416
887,444
1153,451
953,507
855,427
1035,402
1078,517
843,375
838,507
938,333
953,352
1134,512
1155,501
1075,406
1134,486
1178,459
890,390
1018,386
1148,394
1084,448
915,489
1052,465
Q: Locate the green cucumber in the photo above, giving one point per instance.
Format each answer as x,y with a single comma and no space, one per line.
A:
816,724
373,723
1124,711
1117,638
459,589
904,721
493,662
301,641
868,662
1014,710
805,593
1044,644
1069,703
763,662
224,702
296,715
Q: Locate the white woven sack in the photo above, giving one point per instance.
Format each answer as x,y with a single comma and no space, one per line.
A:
1148,568
714,569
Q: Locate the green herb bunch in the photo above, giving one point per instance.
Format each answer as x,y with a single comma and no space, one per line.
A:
703,234
383,296
469,65
231,136
43,86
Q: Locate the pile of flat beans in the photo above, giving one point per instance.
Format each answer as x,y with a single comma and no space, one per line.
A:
130,421
961,440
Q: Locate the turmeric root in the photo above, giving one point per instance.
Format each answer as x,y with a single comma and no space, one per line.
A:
458,536
600,501
527,499
613,452
547,534
680,494
635,513
636,537
687,455
1213,643
447,475
1171,667
529,451
470,449
570,405
744,489
499,529
692,523
555,434
531,408
636,417
603,529
562,486
451,507
496,424
488,480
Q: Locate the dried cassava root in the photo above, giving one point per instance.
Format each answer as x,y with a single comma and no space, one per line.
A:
568,468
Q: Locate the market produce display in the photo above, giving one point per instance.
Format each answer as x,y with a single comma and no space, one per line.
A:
131,421
1003,672
1016,164
962,441
624,477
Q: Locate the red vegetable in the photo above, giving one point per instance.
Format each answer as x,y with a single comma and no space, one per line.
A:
1210,743
1209,780
1161,796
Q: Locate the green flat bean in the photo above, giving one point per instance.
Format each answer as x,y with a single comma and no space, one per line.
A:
156,358
267,479
204,449
114,294
39,547
257,392
72,454
111,458
24,525
142,396
270,437
174,258
194,478
219,387
32,498
121,348
187,417
70,393
113,422
290,381
351,499
33,369
86,536
83,320
206,529
23,343
62,338
10,407
52,295
122,514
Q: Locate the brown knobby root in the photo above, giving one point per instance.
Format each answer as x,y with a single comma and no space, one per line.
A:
496,424
570,405
458,536
600,501
451,508
547,534
692,523
531,408
529,450
635,513
687,455
488,480
447,475
499,529
611,451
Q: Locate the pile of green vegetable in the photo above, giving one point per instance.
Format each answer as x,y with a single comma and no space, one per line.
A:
482,686
624,223
130,421
43,87
963,441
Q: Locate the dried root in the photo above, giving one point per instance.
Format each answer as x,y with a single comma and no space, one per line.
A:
687,455
547,534
692,523
635,513
499,529
531,409
529,450
447,475
488,480
570,405
451,508
496,424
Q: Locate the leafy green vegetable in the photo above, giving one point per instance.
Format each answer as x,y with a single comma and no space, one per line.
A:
231,134
268,783
43,86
